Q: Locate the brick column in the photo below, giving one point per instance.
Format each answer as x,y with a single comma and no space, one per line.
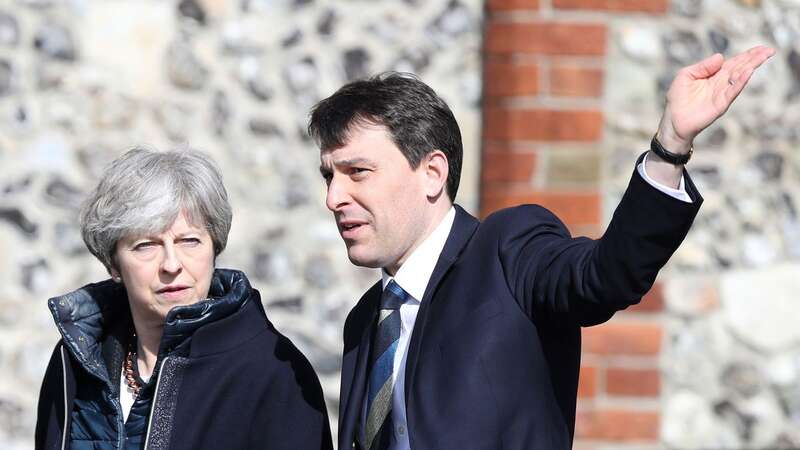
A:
542,134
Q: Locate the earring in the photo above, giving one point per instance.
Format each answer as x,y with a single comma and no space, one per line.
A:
117,279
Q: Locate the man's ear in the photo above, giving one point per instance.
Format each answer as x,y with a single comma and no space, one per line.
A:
435,168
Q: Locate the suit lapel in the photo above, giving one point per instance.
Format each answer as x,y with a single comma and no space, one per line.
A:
355,360
354,370
464,227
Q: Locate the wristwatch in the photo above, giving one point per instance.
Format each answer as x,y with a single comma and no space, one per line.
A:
668,156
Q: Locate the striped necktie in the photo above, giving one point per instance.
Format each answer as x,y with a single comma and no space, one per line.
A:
377,430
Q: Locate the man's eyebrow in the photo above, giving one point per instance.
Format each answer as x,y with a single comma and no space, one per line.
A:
352,161
325,168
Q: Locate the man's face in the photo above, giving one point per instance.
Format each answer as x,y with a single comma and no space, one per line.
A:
379,202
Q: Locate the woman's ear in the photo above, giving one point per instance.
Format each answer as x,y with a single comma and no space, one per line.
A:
115,275
436,168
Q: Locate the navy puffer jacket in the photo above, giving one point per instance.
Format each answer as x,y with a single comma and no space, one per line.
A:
225,378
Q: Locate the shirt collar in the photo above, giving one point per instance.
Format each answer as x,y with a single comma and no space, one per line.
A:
414,274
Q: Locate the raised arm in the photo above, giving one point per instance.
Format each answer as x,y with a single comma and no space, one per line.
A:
591,279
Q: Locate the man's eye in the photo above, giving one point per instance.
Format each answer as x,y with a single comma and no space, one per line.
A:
358,170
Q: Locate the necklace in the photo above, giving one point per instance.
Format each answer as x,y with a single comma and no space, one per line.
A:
130,374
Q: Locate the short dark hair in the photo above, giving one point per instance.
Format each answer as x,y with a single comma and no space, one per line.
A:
418,120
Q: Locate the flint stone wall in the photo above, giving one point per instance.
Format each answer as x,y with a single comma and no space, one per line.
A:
731,359
236,79
81,82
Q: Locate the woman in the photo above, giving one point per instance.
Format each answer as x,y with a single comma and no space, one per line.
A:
171,353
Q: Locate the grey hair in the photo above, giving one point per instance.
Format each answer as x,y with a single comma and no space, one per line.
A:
144,191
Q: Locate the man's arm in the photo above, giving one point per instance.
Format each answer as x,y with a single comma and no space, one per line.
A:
547,269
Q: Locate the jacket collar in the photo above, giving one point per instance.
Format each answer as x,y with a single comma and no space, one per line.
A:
415,273
464,227
87,316
354,365
228,293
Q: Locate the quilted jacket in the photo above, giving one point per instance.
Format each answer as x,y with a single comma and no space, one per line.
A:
224,377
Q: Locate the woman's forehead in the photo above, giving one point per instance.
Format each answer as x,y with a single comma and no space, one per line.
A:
184,222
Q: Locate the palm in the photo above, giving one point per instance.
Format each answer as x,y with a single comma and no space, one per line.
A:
701,93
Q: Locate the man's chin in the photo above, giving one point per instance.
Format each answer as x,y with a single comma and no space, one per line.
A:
362,260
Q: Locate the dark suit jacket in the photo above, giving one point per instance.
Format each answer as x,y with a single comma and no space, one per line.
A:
494,356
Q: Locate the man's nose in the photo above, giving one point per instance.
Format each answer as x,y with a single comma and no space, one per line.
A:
337,195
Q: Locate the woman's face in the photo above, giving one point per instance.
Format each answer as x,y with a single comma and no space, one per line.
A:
164,270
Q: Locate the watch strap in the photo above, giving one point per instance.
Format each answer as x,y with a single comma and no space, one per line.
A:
668,156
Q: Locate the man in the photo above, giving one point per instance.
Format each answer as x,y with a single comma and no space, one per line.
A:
471,340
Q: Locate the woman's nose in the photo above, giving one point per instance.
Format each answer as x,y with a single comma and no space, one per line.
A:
171,262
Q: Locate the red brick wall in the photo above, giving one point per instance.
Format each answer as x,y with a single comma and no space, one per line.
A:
542,130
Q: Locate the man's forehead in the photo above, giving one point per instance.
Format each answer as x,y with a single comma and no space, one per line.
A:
329,155
368,144
344,156
364,146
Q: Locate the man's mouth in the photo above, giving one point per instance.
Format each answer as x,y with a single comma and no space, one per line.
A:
349,230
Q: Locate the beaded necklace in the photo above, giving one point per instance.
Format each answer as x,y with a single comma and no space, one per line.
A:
131,371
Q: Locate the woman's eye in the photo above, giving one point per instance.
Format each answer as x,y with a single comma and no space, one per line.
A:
144,245
190,241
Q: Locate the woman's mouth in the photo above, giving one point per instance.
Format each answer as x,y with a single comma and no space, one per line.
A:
173,291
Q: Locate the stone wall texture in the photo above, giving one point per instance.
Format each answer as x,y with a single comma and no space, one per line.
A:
556,98
730,363
82,81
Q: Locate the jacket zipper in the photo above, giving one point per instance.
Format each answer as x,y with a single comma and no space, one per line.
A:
66,403
153,406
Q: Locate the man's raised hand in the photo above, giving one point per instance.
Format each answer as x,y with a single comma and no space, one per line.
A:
702,92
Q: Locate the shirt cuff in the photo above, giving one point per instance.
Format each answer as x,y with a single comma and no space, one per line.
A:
679,193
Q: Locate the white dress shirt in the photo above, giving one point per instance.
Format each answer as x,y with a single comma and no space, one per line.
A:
679,193
413,277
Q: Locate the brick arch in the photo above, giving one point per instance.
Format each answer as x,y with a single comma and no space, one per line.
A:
543,124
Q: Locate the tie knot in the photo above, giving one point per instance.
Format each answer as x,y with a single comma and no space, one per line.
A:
393,296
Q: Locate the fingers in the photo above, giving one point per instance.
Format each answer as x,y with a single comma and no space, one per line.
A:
737,60
731,68
753,52
740,74
706,67
736,86
750,59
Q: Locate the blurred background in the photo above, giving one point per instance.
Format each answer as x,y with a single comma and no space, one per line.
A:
556,99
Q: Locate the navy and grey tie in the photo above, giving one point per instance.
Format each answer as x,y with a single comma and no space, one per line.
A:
377,429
